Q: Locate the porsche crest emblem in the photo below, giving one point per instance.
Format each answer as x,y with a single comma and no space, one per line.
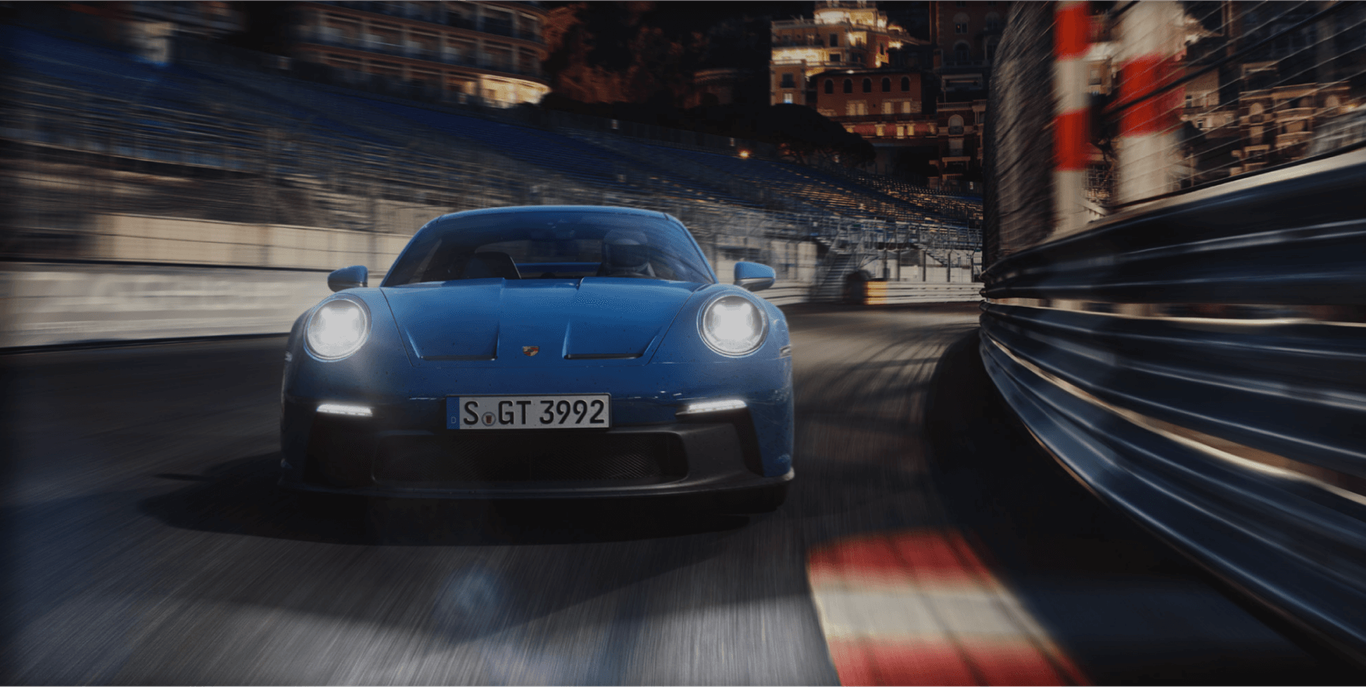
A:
530,350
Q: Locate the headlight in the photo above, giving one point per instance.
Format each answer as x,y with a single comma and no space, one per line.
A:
732,325
337,329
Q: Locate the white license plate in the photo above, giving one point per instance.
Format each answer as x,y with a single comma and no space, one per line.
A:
529,412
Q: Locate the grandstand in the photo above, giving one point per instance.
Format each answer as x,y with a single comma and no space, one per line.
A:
96,131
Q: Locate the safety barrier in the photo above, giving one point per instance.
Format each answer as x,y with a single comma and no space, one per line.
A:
53,303
897,293
1200,363
787,293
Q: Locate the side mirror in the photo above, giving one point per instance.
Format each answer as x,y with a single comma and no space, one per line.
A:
353,277
753,276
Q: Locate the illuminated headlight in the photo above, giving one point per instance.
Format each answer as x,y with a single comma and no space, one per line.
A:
732,325
337,329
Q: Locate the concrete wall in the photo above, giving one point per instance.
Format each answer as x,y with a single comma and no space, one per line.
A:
135,238
221,278
54,304
906,267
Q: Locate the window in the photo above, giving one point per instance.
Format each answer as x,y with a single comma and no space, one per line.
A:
993,21
1094,75
834,57
901,131
962,54
906,107
956,126
960,23
787,81
955,147
848,85
787,98
834,40
887,106
905,84
829,86
886,85
449,248
867,85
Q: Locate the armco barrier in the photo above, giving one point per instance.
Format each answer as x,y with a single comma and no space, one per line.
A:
787,293
50,304
1200,363
63,303
896,292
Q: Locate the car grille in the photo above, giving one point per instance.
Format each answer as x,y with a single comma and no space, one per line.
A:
556,457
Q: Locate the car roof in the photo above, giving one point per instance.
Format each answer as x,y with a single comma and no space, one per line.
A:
517,209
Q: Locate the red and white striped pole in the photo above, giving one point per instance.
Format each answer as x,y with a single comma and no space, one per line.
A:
1071,135
1147,148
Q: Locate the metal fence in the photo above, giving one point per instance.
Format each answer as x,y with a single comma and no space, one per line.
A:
1196,357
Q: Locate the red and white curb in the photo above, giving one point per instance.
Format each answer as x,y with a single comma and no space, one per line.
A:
920,608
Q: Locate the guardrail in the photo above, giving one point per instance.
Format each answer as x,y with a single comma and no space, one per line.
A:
787,293
1200,363
62,303
898,293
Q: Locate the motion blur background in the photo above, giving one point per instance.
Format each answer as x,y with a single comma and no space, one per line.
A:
1185,193
173,165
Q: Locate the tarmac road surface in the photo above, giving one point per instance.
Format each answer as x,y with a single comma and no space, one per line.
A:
145,542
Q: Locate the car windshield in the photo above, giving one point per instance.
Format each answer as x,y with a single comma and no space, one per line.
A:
550,245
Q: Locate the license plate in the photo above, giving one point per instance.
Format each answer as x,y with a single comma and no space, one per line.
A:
529,412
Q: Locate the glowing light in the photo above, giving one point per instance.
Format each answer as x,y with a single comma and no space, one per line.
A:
342,409
712,406
732,325
337,329
744,153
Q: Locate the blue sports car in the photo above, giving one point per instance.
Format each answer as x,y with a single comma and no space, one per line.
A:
543,352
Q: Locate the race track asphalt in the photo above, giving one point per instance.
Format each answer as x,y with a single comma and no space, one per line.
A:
145,542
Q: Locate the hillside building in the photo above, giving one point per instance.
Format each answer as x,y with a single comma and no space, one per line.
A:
919,97
486,50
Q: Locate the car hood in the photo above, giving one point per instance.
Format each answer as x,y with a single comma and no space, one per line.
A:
535,321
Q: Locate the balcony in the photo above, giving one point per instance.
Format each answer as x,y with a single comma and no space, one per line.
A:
797,42
1294,113
1294,138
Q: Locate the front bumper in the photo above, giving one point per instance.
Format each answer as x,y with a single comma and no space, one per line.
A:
714,453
